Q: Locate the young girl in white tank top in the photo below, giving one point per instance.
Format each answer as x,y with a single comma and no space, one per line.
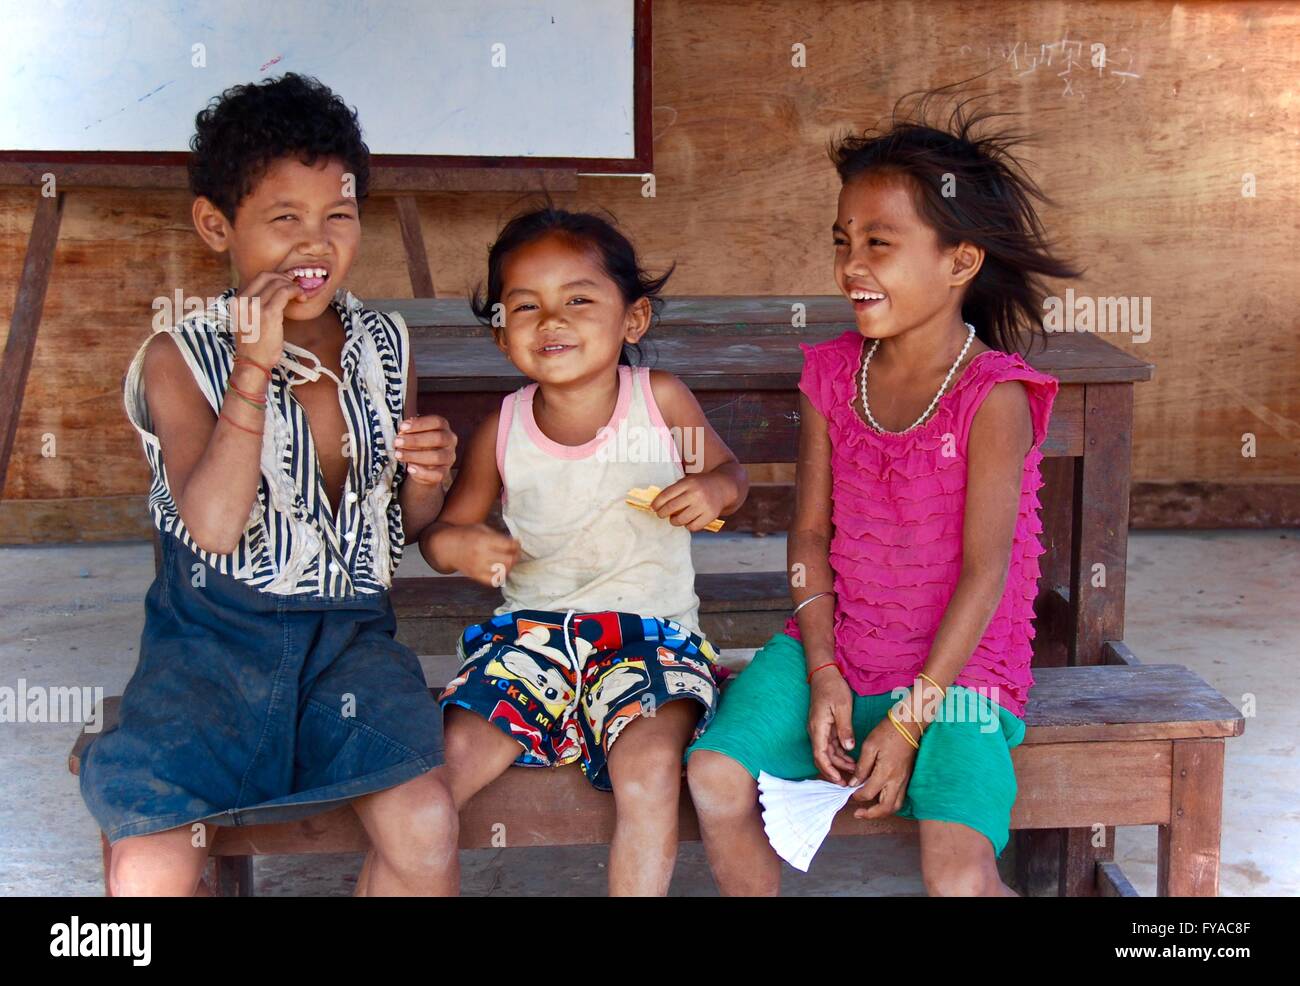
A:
597,636
586,550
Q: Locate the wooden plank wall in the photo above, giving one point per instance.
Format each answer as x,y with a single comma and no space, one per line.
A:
1145,158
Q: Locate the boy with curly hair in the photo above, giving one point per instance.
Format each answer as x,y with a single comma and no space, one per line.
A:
289,468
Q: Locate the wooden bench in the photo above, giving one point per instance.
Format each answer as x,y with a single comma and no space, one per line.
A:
1104,746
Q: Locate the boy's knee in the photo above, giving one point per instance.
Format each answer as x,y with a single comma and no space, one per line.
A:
143,870
421,828
720,787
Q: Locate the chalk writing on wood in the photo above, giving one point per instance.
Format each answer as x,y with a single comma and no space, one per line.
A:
1077,64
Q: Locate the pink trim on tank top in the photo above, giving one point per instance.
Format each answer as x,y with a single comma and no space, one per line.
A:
586,449
503,430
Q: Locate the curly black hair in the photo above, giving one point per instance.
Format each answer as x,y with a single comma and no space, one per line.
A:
600,234
239,133
993,207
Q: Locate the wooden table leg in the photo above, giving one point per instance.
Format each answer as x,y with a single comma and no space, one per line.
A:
1187,861
1054,625
1100,536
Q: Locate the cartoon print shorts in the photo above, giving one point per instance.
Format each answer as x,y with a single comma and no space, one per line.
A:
564,685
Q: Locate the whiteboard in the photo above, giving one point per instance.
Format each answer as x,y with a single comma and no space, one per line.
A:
500,78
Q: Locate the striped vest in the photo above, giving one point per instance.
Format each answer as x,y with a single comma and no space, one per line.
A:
292,544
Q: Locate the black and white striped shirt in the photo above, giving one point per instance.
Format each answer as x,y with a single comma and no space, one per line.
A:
293,544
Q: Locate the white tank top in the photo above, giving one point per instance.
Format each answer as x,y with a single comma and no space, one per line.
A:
583,547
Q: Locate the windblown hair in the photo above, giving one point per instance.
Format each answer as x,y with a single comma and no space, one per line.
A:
990,204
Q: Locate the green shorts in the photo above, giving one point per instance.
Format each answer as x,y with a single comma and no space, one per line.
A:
962,773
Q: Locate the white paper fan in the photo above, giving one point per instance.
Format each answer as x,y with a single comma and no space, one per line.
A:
798,814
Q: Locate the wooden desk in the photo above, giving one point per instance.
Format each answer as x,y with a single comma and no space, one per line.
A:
740,355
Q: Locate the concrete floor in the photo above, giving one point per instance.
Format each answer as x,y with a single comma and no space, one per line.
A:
1225,604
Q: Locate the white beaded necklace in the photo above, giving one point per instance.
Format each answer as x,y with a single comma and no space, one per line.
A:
866,408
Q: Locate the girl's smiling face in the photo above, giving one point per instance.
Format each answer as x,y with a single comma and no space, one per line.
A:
889,262
565,318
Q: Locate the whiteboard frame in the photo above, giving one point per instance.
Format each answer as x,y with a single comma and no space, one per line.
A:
388,172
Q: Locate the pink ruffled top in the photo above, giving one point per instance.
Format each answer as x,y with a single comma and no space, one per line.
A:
897,505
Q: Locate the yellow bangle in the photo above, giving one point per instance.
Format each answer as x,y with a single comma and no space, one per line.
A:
942,691
902,729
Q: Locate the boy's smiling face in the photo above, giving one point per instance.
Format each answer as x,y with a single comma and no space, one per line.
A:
297,220
890,262
565,318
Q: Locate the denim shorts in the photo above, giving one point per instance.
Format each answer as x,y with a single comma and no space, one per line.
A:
248,707
962,773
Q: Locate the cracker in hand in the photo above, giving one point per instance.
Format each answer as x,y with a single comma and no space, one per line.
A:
642,496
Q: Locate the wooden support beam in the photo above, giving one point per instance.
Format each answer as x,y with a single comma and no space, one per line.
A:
417,258
21,344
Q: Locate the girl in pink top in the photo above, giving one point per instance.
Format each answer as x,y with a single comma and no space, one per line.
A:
914,548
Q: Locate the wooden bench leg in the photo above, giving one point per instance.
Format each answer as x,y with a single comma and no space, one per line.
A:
1187,861
1060,861
1038,852
1079,861
232,876
108,862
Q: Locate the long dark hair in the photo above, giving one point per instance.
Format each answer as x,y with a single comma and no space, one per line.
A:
615,252
993,207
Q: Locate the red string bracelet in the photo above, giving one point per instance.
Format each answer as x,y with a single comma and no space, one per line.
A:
828,664
253,362
258,398
231,421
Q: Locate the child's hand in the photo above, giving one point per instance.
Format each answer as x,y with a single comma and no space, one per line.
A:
693,501
257,316
478,552
830,725
885,764
427,446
